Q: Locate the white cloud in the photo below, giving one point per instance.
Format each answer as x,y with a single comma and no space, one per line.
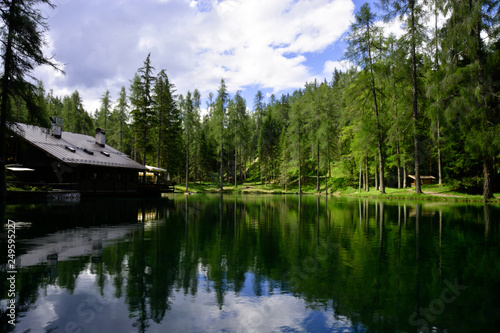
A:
259,43
342,65
394,27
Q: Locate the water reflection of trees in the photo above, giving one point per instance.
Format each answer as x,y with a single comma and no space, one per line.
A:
372,262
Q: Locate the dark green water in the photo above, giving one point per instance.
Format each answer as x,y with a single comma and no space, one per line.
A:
209,263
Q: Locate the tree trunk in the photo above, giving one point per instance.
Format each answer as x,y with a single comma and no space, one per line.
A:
381,169
221,165
317,167
436,64
159,143
329,163
4,107
379,134
235,167
360,176
367,180
144,137
187,162
300,171
415,98
440,170
228,168
487,189
240,164
404,175
398,159
375,173
196,160
121,135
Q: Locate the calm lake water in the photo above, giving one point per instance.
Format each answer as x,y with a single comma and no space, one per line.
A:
248,263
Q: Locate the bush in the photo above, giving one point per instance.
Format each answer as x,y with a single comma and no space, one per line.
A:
469,185
337,184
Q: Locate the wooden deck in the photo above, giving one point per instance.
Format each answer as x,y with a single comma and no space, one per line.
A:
49,190
157,189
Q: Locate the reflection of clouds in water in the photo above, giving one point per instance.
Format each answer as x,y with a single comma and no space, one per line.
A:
55,308
244,314
84,310
43,312
270,313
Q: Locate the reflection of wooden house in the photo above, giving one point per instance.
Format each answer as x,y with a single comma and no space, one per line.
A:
424,180
69,161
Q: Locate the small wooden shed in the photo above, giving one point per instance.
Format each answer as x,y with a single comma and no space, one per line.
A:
424,180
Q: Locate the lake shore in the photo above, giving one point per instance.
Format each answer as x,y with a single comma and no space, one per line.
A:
429,192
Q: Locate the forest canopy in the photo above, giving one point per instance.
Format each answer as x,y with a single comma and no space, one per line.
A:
426,103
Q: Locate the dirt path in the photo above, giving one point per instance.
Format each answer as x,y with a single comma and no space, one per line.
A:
437,194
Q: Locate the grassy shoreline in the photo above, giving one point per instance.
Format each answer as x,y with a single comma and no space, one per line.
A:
430,192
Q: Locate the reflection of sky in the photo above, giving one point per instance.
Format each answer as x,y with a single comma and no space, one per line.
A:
87,311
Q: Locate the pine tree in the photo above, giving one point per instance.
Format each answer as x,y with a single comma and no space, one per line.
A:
197,134
219,118
471,76
362,45
188,110
295,133
168,122
120,117
237,119
105,110
22,38
396,92
412,11
143,112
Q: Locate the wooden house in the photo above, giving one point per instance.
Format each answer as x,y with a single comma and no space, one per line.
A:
70,161
424,180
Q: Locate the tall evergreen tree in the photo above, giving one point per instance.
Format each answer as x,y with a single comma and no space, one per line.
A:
120,116
396,92
219,115
411,11
362,44
237,119
23,29
197,133
105,110
188,110
295,133
258,115
76,119
472,74
168,126
143,112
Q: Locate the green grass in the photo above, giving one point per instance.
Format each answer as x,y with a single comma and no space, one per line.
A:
430,192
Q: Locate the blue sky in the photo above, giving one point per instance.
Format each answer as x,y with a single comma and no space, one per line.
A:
275,46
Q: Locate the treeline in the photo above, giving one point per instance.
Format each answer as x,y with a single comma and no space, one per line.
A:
423,104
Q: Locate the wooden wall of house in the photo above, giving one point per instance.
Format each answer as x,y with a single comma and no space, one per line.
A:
95,179
87,179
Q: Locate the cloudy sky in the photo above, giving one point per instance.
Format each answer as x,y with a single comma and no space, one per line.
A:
272,45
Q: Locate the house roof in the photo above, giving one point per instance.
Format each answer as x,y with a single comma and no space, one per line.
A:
73,147
422,177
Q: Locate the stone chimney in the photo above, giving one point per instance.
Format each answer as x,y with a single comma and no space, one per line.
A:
57,123
100,137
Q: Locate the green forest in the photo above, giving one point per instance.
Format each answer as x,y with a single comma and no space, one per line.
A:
424,104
